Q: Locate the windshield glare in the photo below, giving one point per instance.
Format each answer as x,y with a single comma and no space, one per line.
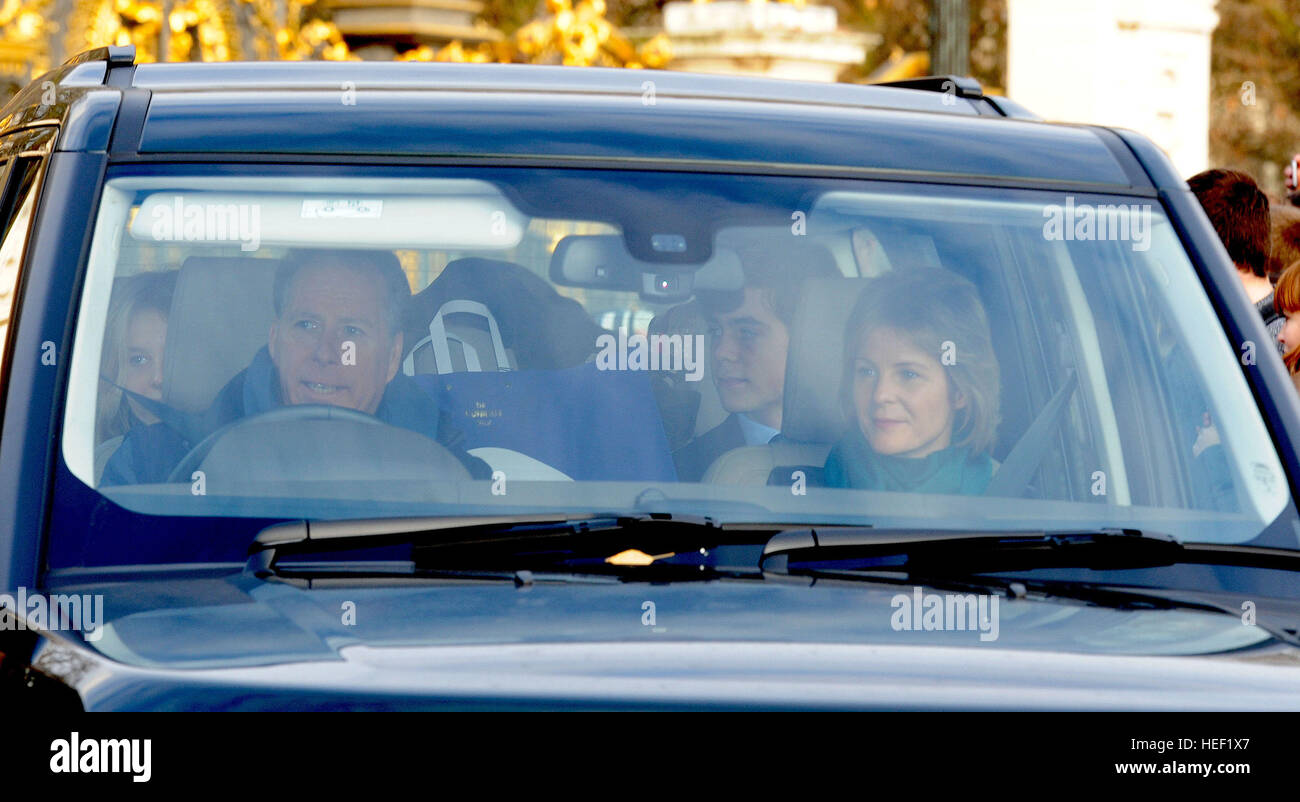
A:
334,343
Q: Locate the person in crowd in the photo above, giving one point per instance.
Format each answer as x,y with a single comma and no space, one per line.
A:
920,388
1284,238
749,340
336,340
1292,173
1287,302
1239,211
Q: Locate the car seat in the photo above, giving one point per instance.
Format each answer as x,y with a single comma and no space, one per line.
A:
472,339
103,453
689,408
513,309
756,247
555,416
220,318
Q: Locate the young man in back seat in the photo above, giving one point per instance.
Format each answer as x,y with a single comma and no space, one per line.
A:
750,337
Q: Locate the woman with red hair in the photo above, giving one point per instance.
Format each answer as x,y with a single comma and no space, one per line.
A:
1286,301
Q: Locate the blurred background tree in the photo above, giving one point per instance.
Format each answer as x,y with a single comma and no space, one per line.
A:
169,30
904,26
24,28
1255,88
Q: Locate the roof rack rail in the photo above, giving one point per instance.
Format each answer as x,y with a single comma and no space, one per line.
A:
961,86
114,55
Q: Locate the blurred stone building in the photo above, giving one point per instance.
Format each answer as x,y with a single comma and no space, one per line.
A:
1139,64
379,29
774,40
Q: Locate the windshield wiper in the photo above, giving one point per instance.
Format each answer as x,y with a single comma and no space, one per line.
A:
510,541
975,552
969,561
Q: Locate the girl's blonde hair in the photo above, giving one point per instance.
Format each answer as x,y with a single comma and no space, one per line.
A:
1286,300
146,291
940,312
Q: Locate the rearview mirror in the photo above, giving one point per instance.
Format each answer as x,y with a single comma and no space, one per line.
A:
603,262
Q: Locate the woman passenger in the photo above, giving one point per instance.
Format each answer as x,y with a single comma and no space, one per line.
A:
133,351
131,364
920,388
1286,302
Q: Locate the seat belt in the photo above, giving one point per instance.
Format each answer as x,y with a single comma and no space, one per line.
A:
189,425
1013,477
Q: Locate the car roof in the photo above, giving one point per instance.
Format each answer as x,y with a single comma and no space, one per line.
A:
943,128
331,75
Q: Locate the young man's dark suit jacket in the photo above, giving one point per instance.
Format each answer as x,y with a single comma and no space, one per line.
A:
694,458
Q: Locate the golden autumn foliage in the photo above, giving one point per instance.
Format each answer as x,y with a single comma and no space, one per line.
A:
569,34
187,30
1255,88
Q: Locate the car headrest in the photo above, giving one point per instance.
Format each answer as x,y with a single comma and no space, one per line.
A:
688,319
221,314
463,336
543,329
814,367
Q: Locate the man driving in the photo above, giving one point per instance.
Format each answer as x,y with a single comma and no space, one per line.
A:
336,340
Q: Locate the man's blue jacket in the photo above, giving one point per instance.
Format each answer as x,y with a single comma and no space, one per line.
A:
149,453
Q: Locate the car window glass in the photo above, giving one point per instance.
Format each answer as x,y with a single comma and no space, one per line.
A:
15,218
750,349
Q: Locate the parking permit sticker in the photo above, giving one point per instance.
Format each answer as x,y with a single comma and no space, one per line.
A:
1265,478
342,207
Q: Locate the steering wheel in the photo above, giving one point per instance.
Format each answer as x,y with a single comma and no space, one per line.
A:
286,414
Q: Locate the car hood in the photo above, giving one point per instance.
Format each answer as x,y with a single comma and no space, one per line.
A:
240,642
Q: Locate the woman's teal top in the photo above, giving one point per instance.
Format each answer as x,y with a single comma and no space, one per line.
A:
952,471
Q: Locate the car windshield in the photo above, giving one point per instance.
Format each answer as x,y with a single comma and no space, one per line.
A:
273,342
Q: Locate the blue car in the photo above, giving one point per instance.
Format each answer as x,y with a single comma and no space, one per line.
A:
312,399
